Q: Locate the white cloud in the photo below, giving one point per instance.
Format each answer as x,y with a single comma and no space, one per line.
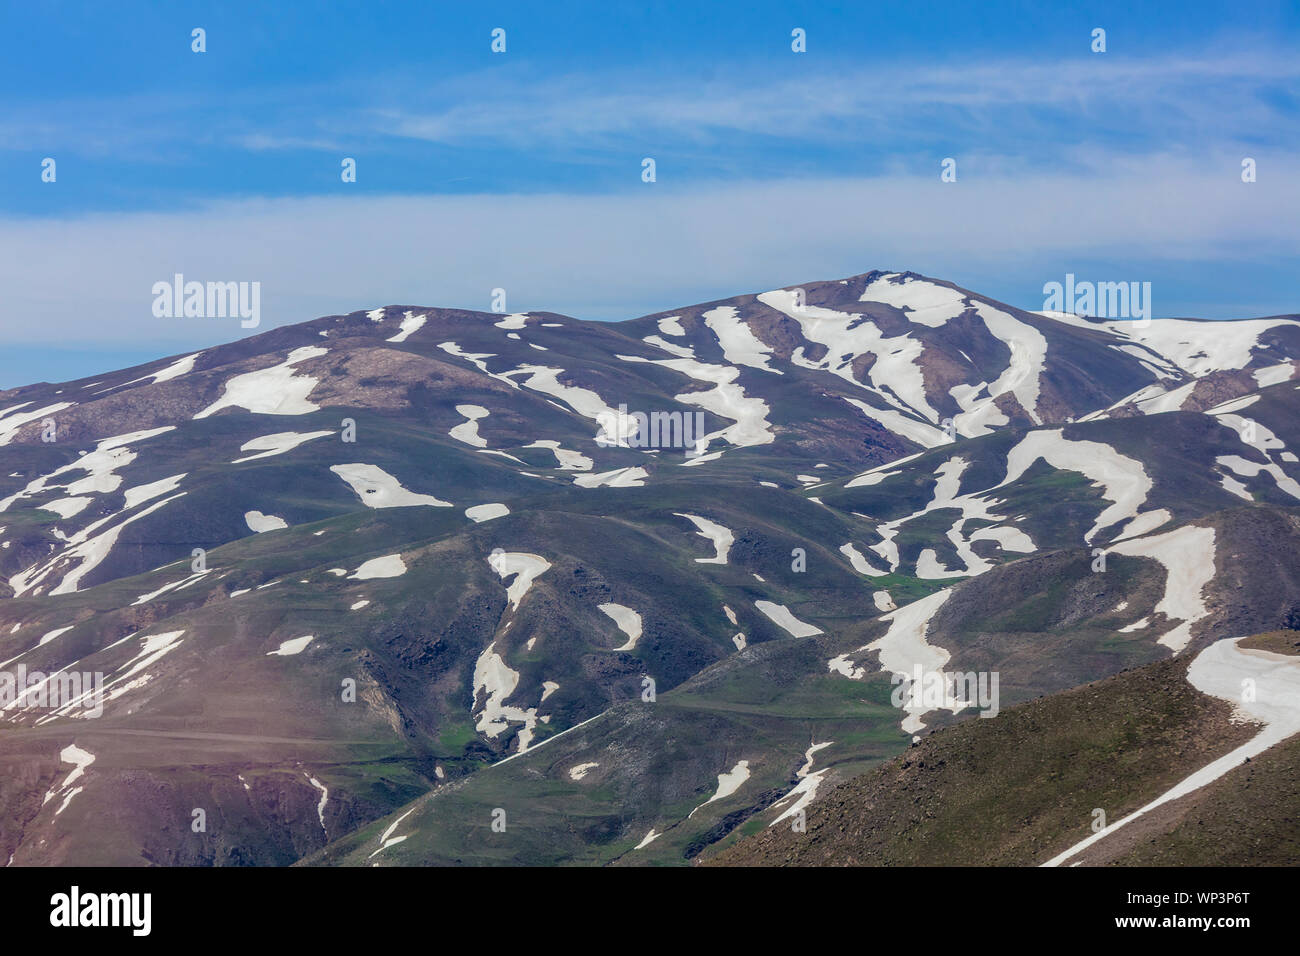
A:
88,280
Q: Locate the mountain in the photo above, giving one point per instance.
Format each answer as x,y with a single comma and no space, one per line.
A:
423,585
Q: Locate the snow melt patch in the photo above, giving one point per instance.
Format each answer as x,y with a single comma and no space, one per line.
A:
648,839
721,537
780,615
615,429
859,562
80,759
739,343
1188,556
267,446
726,400
467,431
1123,481
496,681
260,523
389,566
628,621
523,567
101,466
902,649
378,489
11,420
324,799
619,478
805,791
672,326
728,783
386,839
277,390
1274,374
87,547
410,323
291,647
481,513
568,460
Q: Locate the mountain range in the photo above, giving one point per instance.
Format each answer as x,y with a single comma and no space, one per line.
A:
422,586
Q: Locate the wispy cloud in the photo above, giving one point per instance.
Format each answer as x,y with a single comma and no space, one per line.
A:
1146,100
88,280
874,115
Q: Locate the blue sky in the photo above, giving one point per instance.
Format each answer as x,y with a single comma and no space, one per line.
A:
522,170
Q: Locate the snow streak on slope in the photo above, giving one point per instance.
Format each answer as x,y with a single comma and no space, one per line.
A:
567,460
268,446
618,478
1188,556
410,324
902,649
615,429
11,420
467,431
859,562
740,345
895,375
80,759
721,537
86,548
805,791
726,399
1221,670
780,615
1123,480
970,507
524,567
495,682
101,467
628,621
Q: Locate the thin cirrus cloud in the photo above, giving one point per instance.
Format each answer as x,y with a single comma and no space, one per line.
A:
869,116
1059,101
1127,167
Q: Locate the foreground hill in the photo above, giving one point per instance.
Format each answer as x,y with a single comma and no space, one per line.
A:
1022,788
364,581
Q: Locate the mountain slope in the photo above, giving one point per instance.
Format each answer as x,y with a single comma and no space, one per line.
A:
335,574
